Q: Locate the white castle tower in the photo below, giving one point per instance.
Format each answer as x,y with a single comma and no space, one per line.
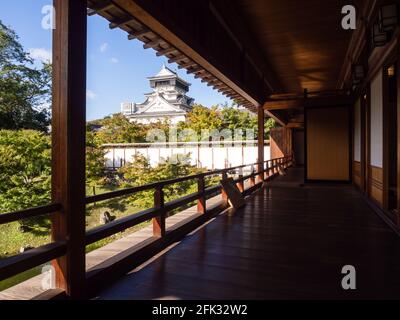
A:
168,101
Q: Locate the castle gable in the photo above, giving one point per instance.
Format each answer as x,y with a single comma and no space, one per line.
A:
159,105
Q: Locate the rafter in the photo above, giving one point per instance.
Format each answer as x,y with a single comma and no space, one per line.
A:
139,33
164,52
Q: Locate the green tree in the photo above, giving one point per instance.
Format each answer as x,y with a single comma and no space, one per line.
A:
139,172
118,129
25,169
95,166
235,118
202,118
269,124
24,90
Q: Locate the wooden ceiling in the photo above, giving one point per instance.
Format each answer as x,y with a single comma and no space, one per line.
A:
302,40
246,49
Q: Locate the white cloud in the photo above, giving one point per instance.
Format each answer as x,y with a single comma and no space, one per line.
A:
114,60
90,95
104,47
40,54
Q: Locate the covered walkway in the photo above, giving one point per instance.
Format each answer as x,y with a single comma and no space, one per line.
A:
290,241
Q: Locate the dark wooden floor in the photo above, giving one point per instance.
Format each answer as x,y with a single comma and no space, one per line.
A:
288,242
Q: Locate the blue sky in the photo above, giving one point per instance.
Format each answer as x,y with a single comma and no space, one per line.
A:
117,68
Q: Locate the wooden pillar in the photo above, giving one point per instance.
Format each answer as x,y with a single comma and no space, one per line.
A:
386,139
159,221
363,107
68,138
261,131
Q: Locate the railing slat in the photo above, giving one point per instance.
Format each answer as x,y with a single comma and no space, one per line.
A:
29,213
119,225
30,259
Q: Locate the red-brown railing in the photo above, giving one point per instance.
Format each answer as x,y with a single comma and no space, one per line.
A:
260,172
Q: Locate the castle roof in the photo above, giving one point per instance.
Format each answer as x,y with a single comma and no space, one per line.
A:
167,73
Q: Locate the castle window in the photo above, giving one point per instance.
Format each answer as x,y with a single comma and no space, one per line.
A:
162,83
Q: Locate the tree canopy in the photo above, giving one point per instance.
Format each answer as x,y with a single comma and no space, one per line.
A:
24,89
25,169
118,129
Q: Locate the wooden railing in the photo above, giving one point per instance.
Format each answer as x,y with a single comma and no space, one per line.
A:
259,172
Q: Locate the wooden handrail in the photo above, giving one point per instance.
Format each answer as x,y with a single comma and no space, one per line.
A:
29,213
104,231
30,259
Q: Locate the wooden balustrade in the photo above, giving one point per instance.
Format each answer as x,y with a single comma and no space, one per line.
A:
22,262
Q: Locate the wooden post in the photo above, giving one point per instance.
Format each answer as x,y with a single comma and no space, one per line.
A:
261,132
252,179
68,142
201,202
266,173
159,221
223,193
240,184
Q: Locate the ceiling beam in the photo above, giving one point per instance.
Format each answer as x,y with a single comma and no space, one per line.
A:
284,104
301,103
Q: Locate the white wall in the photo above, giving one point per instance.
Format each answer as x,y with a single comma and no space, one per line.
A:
377,121
357,131
206,157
